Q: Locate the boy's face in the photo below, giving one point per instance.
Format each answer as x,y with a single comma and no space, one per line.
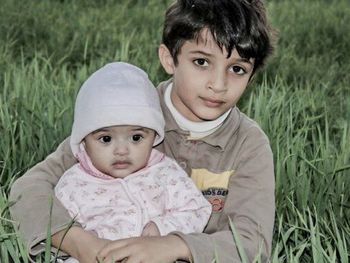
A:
120,150
206,83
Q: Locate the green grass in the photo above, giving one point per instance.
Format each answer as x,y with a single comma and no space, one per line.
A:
302,101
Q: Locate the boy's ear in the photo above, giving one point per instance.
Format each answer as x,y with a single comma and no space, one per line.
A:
166,59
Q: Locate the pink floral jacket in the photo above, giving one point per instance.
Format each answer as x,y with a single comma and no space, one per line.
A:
118,208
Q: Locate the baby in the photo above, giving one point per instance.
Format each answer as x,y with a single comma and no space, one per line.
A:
121,187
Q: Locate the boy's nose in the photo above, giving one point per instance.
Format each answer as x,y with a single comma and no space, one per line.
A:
217,82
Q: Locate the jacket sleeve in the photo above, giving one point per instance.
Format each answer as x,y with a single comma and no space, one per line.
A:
250,204
67,192
186,209
32,196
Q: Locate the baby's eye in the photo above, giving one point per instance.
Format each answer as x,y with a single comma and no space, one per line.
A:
238,70
105,139
200,62
136,137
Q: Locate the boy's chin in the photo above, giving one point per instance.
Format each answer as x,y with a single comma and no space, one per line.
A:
210,115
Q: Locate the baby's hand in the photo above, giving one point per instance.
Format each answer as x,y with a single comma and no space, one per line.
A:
150,229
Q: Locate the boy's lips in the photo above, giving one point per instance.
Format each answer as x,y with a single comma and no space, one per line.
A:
121,164
212,103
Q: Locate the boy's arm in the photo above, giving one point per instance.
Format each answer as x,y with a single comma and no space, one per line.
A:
251,206
31,195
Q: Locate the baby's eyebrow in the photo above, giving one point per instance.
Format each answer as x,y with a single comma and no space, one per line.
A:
141,129
100,130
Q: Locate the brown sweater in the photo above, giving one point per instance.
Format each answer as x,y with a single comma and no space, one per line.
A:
232,166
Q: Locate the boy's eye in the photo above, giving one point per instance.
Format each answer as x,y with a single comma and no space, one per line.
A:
105,139
136,137
201,62
238,70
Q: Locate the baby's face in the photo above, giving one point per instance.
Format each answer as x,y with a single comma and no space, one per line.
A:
120,150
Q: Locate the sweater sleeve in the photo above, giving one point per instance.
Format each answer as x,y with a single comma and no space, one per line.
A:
250,205
33,195
186,209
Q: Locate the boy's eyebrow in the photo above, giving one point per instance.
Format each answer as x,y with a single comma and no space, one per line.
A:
243,60
201,52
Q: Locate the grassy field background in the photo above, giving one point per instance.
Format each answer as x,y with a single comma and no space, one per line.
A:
301,100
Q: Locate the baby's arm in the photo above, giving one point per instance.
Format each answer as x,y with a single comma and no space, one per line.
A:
186,209
150,230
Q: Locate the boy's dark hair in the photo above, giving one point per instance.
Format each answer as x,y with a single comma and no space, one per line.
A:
239,24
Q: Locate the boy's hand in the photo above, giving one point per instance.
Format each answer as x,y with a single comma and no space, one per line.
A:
80,244
150,229
164,249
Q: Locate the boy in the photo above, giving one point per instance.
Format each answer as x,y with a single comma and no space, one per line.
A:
211,48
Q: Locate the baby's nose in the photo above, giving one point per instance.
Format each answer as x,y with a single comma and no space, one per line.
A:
121,149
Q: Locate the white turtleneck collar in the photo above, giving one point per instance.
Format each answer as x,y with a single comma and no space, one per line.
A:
197,129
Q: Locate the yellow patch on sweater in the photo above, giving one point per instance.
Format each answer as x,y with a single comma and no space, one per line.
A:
205,179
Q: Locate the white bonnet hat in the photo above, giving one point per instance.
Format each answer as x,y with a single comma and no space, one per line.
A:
116,94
